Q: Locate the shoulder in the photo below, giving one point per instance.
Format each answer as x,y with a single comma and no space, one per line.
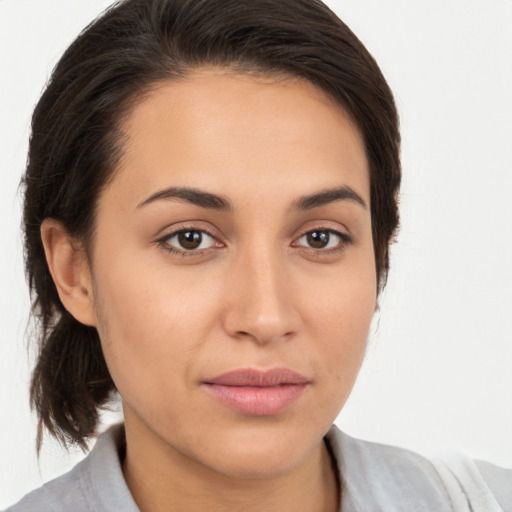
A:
499,481
381,477
486,487
96,483
58,494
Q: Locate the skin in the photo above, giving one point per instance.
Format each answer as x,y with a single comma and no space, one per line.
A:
254,295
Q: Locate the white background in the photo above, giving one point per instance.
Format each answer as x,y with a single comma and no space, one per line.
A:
438,372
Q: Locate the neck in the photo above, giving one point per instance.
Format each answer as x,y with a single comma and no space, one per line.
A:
163,480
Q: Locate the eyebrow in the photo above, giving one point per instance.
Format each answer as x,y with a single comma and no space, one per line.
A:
325,197
190,195
216,202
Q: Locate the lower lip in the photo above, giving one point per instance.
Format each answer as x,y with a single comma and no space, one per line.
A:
257,401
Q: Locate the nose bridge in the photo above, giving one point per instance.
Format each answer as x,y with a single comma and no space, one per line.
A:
260,305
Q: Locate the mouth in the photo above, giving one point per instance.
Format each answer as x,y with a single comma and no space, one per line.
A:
258,393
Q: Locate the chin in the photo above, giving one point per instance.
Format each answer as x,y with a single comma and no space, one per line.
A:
257,464
261,452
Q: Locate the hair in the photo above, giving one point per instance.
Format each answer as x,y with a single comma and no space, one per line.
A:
75,146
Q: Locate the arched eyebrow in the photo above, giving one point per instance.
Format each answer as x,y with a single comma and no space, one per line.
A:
325,197
216,202
190,195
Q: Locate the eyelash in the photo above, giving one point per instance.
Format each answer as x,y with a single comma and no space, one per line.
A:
163,242
344,241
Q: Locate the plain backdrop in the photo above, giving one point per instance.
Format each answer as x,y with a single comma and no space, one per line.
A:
438,373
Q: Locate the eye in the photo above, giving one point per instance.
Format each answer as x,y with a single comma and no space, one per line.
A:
188,240
323,239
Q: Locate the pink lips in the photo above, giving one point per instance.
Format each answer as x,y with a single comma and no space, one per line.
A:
258,393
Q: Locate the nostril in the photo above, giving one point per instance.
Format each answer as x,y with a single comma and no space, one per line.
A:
263,337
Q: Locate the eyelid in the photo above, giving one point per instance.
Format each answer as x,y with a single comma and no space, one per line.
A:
163,240
344,240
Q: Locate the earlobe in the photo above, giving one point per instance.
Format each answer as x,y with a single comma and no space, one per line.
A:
69,268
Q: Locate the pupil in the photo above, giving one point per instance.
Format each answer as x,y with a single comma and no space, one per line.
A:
190,239
318,239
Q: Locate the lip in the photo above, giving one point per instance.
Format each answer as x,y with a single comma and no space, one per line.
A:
258,393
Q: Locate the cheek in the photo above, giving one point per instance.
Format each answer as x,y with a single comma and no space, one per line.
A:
345,325
152,322
339,315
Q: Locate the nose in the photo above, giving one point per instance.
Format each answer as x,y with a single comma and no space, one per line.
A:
260,303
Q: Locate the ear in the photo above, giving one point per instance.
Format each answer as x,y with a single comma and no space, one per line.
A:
69,268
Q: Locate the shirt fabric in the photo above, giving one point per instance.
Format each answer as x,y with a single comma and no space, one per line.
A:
373,477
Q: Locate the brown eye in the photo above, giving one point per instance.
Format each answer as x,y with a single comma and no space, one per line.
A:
323,239
189,240
318,239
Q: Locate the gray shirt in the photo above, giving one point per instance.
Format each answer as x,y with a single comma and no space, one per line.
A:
374,478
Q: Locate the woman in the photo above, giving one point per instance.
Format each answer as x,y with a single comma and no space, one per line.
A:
209,202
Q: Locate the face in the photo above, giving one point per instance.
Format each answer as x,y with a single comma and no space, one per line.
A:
233,270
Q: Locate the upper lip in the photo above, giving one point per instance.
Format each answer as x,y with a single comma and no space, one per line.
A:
259,378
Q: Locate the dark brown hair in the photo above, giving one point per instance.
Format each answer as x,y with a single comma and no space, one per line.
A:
74,146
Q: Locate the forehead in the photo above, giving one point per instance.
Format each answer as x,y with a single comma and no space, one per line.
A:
229,134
